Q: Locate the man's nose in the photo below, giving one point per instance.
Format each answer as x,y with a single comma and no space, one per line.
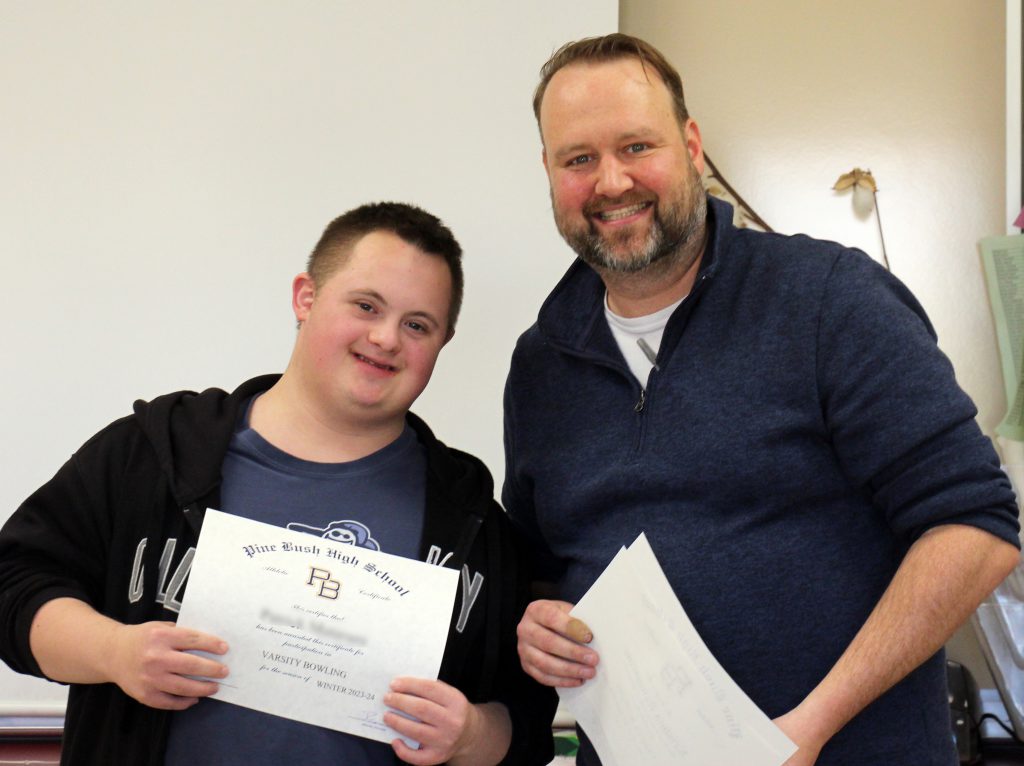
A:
613,178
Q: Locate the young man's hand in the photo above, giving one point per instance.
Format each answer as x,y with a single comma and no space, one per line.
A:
448,726
152,664
74,643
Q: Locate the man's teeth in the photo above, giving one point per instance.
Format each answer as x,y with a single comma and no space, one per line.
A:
622,212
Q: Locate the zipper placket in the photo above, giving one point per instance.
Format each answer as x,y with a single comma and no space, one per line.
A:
639,406
641,419
643,402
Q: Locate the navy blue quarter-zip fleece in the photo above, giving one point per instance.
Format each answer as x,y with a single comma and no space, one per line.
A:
801,431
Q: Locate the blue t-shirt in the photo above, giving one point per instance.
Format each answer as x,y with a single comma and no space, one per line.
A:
376,502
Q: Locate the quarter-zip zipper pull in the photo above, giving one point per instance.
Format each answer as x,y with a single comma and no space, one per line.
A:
639,406
649,352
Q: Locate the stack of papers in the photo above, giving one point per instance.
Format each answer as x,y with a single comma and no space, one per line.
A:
659,696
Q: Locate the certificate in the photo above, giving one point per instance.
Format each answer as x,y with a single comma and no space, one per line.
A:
316,630
659,697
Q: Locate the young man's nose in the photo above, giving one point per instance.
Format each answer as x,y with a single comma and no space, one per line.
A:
385,336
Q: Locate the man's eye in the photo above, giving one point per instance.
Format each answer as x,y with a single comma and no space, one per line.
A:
581,160
364,306
636,148
417,327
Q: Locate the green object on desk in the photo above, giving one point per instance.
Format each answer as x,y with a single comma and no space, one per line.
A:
566,744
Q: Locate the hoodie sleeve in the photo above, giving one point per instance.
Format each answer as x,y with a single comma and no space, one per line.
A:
531,706
56,545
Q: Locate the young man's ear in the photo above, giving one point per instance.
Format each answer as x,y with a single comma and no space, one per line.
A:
449,336
303,293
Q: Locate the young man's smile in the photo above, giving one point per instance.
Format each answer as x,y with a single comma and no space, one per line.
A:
383,367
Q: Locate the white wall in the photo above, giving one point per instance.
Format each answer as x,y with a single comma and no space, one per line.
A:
166,169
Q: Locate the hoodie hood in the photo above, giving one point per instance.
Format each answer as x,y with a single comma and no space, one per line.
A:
460,492
464,478
190,433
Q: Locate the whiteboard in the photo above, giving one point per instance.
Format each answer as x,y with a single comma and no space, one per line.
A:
167,167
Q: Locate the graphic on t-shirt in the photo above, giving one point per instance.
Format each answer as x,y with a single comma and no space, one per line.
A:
346,532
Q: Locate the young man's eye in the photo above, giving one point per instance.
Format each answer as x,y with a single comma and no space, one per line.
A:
364,306
418,327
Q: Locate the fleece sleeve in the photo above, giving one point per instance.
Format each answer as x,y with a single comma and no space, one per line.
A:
517,495
902,428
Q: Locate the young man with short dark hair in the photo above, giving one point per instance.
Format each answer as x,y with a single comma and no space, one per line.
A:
93,566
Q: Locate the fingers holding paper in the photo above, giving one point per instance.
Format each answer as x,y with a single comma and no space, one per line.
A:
74,643
552,645
152,663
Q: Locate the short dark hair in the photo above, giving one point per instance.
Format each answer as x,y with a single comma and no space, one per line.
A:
408,222
596,50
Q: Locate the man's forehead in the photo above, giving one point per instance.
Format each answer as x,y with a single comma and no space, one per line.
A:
629,64
589,87
579,77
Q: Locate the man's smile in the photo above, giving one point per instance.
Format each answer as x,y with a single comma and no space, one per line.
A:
619,213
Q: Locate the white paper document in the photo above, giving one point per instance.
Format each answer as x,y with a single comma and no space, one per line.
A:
316,630
659,696
1003,261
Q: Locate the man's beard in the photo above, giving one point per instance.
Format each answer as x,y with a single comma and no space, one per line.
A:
675,223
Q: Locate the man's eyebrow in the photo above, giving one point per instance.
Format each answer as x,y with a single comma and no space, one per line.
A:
574,149
644,133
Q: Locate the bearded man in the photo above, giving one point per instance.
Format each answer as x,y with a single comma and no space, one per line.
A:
773,412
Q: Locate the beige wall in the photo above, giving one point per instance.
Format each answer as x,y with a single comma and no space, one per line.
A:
792,93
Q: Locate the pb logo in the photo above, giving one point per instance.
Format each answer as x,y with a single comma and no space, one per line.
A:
321,579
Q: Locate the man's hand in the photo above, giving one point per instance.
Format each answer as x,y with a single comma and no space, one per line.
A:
941,580
551,645
808,746
448,726
151,663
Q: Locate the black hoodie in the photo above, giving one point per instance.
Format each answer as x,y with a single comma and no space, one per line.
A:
115,528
